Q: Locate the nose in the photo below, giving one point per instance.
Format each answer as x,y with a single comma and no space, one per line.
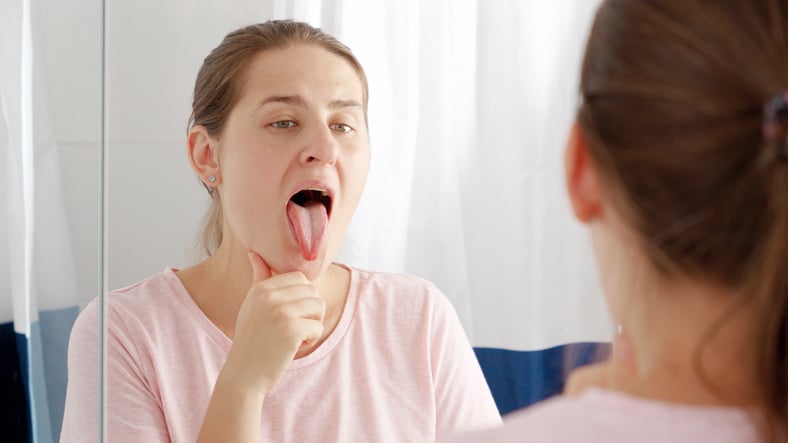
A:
321,148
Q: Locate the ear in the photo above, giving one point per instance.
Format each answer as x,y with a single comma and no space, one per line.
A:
581,178
203,155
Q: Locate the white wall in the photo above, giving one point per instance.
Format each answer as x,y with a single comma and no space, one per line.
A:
67,62
156,203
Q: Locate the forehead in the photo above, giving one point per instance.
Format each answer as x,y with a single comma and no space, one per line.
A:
309,71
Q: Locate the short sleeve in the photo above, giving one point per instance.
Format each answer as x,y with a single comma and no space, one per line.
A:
133,412
80,418
462,396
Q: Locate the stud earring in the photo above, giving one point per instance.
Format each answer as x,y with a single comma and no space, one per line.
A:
212,179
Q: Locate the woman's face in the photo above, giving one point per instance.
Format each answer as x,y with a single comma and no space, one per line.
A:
294,157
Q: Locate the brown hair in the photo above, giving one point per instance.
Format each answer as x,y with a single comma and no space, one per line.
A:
221,79
673,95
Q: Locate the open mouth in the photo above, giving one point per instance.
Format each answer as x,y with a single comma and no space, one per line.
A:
309,197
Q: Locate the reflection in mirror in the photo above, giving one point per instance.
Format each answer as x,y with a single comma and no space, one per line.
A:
49,145
469,108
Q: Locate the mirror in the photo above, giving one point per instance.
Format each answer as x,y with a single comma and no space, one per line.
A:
470,104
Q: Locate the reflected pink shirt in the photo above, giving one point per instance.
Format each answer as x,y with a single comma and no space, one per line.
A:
397,367
600,415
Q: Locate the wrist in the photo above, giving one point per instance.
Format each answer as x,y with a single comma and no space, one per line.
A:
233,383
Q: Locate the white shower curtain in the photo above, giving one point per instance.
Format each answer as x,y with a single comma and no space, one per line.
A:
38,286
471,104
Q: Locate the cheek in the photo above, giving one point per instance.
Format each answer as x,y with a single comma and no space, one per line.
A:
250,170
360,165
354,172
356,177
247,192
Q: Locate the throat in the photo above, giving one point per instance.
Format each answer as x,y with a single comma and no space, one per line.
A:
216,291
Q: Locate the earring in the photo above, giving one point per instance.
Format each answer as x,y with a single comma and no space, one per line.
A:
212,179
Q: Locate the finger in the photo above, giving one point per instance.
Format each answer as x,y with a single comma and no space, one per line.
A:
260,269
286,280
309,307
311,331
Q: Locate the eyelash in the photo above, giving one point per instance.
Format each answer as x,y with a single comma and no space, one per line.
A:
291,124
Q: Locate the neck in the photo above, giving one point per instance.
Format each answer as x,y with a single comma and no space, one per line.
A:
220,284
692,344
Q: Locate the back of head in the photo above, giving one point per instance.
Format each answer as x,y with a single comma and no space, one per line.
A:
673,109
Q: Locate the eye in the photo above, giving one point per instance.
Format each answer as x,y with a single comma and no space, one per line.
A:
283,124
341,127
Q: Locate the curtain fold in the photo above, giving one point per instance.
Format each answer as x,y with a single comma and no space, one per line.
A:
39,296
471,103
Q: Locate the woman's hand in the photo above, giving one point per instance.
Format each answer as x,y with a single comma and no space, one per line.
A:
280,314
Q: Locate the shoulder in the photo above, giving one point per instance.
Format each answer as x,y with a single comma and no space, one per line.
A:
393,281
148,300
545,421
404,292
84,333
151,289
609,416
128,312
387,284
138,305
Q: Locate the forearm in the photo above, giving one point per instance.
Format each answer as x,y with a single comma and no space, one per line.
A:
233,414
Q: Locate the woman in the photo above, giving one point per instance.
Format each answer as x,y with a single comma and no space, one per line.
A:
678,163
268,339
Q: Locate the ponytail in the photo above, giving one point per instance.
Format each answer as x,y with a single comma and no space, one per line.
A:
770,289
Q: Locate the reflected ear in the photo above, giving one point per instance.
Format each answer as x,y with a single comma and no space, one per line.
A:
203,156
581,178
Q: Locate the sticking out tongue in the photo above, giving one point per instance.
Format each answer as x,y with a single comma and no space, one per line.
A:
309,226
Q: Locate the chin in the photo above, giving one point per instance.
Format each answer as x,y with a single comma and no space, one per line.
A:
312,269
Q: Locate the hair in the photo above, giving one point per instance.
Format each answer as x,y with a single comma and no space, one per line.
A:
221,79
673,94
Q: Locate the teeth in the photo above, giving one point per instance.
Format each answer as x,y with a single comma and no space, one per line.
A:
322,192
313,194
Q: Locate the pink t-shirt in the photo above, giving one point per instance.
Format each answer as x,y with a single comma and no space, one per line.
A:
398,367
601,415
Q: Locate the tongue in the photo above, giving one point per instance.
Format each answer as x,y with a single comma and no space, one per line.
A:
309,226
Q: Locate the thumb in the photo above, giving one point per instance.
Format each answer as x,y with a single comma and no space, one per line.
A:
260,269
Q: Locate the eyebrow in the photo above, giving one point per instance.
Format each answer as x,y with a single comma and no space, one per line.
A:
297,100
